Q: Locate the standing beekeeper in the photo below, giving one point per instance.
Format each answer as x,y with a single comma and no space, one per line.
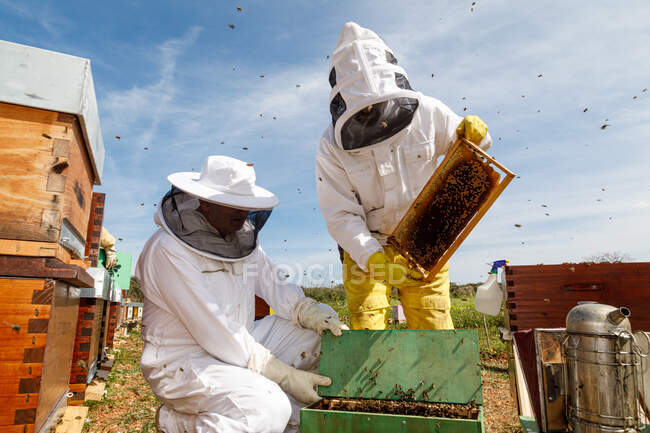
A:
214,368
372,161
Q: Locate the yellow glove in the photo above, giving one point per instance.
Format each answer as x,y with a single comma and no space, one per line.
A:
472,128
381,268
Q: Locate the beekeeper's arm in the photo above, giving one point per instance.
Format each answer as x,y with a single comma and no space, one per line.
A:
289,301
344,215
107,241
449,126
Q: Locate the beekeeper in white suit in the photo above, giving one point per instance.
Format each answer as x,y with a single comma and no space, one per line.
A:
214,368
375,156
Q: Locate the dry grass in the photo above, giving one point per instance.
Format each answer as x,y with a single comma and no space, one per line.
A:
129,405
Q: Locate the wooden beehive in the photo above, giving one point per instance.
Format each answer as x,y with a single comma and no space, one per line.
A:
441,386
540,296
94,232
51,148
89,334
455,198
37,325
113,314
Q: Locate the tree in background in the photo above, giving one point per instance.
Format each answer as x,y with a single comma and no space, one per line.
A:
135,292
609,257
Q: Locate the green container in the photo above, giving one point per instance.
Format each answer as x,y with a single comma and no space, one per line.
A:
121,272
416,365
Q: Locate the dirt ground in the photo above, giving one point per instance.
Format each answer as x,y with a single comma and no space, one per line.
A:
129,405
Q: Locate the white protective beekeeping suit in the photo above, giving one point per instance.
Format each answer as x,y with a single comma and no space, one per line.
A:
203,351
369,170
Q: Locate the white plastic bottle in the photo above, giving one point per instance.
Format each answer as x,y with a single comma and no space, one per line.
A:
489,296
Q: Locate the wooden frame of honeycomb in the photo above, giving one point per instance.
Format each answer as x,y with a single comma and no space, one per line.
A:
452,202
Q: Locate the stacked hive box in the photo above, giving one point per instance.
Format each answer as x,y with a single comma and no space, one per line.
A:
88,339
113,314
51,154
90,320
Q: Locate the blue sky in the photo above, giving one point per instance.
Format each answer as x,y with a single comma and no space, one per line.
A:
175,78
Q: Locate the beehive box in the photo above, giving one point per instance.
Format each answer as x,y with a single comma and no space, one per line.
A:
88,337
94,232
37,327
113,316
540,296
433,377
51,144
455,198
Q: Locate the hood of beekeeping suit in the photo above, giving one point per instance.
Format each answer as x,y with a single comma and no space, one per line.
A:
371,99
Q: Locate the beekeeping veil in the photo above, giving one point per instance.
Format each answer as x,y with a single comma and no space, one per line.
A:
365,72
225,181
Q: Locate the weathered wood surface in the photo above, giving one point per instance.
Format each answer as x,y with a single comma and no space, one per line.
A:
73,420
58,351
540,296
95,390
44,267
37,325
13,247
45,174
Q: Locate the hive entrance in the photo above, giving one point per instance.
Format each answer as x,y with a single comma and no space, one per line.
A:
415,408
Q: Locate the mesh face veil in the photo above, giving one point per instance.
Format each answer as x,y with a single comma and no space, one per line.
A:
180,216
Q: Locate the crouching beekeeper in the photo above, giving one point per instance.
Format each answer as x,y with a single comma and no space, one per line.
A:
214,368
373,159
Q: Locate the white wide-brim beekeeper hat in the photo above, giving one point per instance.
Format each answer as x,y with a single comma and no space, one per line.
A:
226,181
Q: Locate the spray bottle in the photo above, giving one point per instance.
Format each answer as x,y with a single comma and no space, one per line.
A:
489,295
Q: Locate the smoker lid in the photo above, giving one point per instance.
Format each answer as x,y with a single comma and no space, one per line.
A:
403,364
594,318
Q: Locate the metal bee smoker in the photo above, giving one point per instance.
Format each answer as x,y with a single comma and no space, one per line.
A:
604,370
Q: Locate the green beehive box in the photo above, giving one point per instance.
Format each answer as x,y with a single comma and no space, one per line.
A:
121,272
436,369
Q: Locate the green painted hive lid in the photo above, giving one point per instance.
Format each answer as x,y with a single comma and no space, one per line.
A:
403,364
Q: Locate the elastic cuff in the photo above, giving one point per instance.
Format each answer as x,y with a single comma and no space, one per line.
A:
362,260
301,306
258,359
486,142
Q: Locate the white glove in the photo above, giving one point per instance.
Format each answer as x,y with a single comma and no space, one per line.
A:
111,258
300,384
310,315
